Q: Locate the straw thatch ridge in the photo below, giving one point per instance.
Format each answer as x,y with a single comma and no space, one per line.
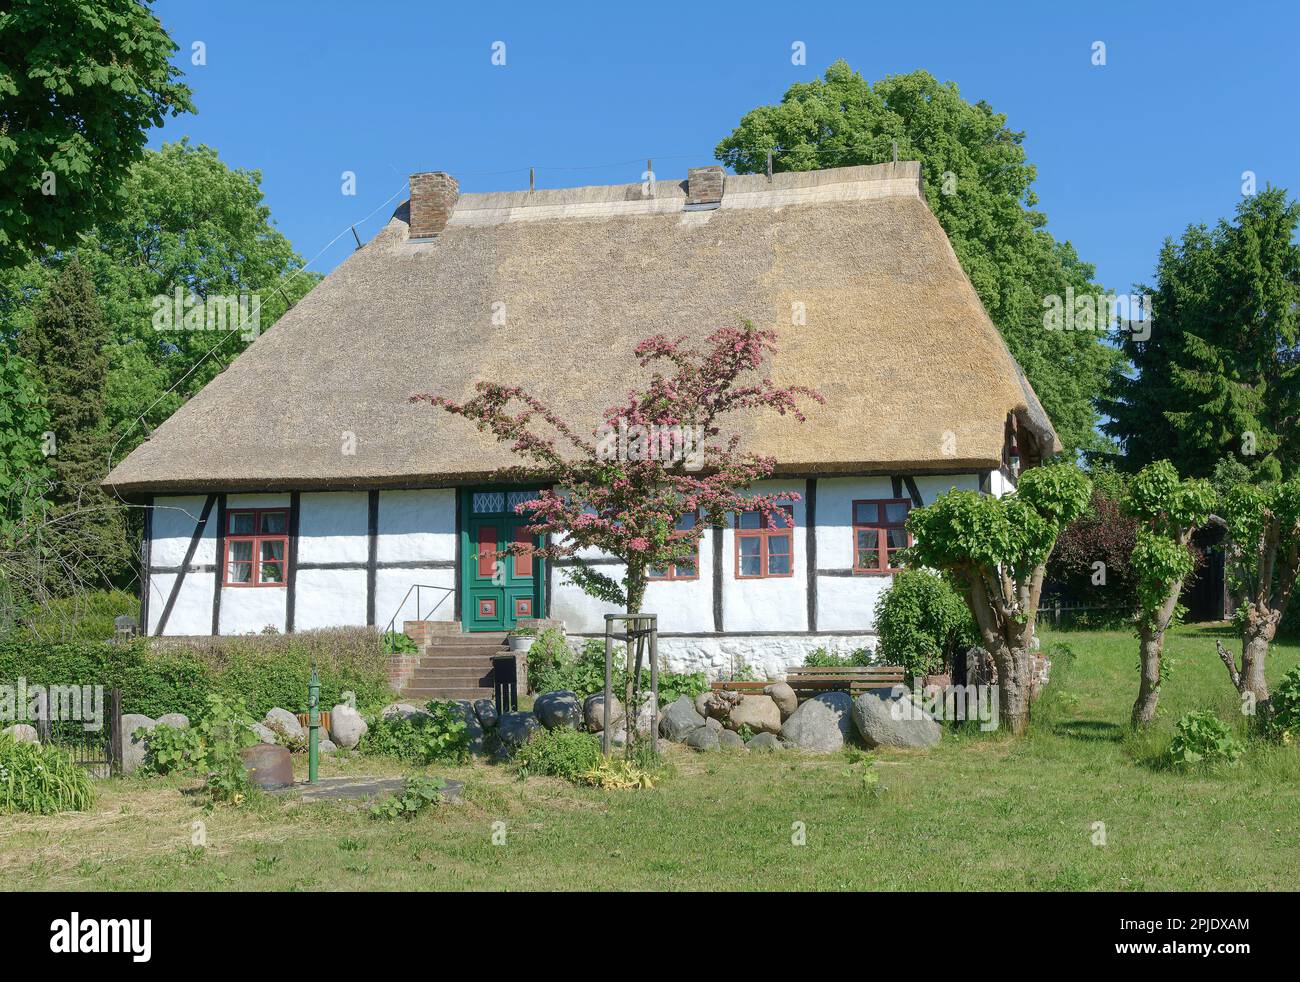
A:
894,336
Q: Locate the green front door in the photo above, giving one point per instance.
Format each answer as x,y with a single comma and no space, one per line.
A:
497,590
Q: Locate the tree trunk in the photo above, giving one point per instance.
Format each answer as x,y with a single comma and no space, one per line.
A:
1152,644
632,697
1255,640
1014,664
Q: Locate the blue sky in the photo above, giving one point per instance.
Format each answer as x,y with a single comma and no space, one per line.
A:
1192,95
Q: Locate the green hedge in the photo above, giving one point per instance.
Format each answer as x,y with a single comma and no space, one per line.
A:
175,675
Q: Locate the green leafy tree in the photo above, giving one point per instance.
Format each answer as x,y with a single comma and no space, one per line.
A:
24,422
81,84
1264,552
1168,512
979,186
188,223
1215,385
996,549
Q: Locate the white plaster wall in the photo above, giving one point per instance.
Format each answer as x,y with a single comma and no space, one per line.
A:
334,527
249,610
580,613
770,656
174,521
777,603
327,598
192,612
391,586
417,525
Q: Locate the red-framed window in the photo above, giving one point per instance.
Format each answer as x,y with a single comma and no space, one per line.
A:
257,546
878,534
764,548
683,569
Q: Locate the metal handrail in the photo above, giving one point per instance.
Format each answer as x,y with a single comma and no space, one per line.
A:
416,587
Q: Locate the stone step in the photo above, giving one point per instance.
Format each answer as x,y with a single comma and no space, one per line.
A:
465,692
455,661
497,638
468,678
465,650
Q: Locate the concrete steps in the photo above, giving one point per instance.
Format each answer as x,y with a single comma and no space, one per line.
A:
455,666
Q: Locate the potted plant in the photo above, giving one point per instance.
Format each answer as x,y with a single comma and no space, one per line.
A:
522,638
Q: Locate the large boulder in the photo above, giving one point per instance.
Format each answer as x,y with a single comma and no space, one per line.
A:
784,697
679,719
346,726
265,734
822,724
713,724
556,709
885,721
728,740
593,712
402,709
702,703
765,741
472,726
135,748
23,733
486,710
177,721
759,713
515,729
286,724
703,738
326,747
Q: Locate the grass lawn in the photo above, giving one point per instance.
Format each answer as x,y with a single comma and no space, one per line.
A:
980,812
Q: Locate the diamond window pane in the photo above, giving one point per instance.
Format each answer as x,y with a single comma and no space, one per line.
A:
516,498
488,502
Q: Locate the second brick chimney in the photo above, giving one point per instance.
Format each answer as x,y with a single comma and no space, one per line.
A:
433,196
704,185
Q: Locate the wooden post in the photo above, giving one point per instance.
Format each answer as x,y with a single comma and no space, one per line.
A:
769,167
116,738
609,687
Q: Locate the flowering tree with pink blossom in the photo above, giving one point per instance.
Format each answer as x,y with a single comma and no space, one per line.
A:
659,455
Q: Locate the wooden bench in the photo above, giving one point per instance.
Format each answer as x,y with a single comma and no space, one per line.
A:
808,681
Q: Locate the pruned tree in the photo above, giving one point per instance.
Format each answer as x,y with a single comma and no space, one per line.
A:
1168,511
997,549
626,498
1264,553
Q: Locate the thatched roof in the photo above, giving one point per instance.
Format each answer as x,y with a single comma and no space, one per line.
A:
895,337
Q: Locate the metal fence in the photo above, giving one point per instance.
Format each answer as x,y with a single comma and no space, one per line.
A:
99,751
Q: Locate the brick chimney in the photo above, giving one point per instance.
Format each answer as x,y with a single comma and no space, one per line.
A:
704,185
433,196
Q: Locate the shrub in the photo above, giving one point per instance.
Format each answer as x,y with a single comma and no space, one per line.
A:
552,666
418,794
210,747
821,658
559,753
438,734
1201,737
1104,533
397,643
40,779
85,616
923,623
617,774
175,675
1285,702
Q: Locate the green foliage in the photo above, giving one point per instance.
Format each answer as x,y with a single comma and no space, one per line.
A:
81,84
396,643
437,734
1203,738
966,530
24,420
210,746
861,770
1285,707
1214,382
989,212
923,623
561,752
40,780
85,616
618,774
822,658
160,676
418,794
552,666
